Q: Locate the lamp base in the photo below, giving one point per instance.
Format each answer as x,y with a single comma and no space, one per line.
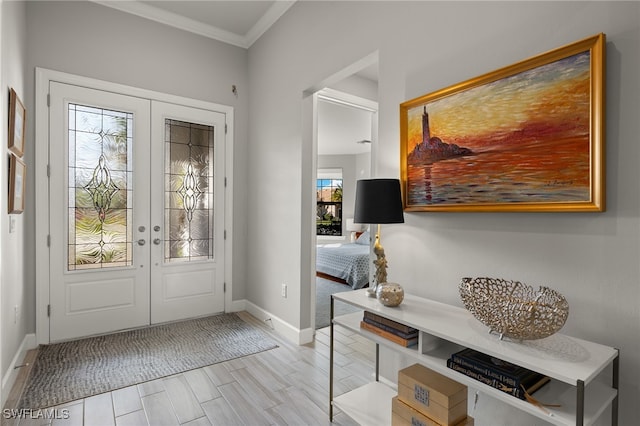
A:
372,291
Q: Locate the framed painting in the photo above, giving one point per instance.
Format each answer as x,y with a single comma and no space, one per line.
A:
17,174
527,137
17,124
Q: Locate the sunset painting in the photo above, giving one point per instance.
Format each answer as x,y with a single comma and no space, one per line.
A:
521,139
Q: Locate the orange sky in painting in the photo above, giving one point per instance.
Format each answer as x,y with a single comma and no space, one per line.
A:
549,101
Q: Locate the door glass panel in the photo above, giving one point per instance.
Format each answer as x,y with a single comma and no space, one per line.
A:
100,190
189,172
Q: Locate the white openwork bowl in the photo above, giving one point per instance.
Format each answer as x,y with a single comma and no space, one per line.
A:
513,309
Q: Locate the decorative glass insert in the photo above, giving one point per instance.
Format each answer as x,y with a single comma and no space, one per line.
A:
100,190
329,207
189,202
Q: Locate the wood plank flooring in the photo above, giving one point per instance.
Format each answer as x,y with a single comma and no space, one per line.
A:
288,385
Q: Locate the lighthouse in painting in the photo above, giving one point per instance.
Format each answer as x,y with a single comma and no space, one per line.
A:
426,132
432,149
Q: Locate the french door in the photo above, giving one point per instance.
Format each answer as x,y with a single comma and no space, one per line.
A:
136,211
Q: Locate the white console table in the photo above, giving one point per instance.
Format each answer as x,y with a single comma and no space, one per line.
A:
571,363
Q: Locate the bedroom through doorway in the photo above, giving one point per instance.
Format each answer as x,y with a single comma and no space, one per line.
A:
346,131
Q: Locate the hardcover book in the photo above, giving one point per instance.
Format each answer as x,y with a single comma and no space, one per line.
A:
389,323
503,371
390,336
528,386
391,329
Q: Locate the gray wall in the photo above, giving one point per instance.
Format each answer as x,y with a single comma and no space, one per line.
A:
13,265
592,258
94,41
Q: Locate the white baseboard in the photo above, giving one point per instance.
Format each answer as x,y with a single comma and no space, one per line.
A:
291,333
9,377
238,306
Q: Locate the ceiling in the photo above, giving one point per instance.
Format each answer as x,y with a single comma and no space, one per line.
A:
239,23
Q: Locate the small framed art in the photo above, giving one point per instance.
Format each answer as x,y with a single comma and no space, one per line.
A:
17,124
17,174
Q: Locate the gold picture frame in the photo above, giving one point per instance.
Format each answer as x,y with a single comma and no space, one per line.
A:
17,124
17,175
527,137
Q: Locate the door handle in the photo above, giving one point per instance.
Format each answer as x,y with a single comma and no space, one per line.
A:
157,241
141,242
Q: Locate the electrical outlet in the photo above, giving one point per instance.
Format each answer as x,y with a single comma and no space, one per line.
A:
284,291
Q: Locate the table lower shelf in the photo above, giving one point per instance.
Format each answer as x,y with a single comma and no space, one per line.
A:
598,395
367,405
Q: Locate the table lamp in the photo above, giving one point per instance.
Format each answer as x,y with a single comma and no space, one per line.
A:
378,201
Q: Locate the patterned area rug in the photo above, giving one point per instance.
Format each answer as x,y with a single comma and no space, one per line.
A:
68,371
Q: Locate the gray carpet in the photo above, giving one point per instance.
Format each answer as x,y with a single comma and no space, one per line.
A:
324,289
68,371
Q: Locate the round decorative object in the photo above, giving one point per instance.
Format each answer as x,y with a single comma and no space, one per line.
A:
513,309
390,294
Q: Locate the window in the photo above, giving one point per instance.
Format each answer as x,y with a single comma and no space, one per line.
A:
329,204
100,191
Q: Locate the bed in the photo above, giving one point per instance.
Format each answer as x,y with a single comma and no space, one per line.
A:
348,262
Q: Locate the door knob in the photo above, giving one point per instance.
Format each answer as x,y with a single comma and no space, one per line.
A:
156,228
157,241
141,242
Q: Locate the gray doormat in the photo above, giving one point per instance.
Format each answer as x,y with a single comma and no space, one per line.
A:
68,371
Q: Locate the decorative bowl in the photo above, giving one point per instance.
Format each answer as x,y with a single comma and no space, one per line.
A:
390,294
513,309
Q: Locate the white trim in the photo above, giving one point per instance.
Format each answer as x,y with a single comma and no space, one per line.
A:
238,306
277,9
9,377
347,99
228,206
291,333
43,77
187,24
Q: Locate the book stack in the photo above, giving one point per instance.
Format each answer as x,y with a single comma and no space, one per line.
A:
396,332
505,376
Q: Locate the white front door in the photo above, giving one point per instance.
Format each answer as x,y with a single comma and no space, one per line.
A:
134,190
187,212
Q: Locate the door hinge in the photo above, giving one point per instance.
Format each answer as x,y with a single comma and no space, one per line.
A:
48,310
224,287
48,170
48,240
225,181
225,128
225,234
48,100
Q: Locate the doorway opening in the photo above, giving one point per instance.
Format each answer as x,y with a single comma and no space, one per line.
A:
342,134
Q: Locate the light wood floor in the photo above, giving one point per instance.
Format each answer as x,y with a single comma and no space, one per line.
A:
283,386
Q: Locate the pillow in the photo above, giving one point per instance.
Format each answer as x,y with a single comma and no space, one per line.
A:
364,239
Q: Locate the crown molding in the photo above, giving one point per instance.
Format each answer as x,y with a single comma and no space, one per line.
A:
177,21
274,13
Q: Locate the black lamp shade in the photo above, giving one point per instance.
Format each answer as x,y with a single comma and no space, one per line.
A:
378,201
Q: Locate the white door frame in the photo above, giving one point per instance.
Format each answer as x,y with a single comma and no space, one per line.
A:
43,77
309,171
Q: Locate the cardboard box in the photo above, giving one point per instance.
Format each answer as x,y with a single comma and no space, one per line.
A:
437,397
404,415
